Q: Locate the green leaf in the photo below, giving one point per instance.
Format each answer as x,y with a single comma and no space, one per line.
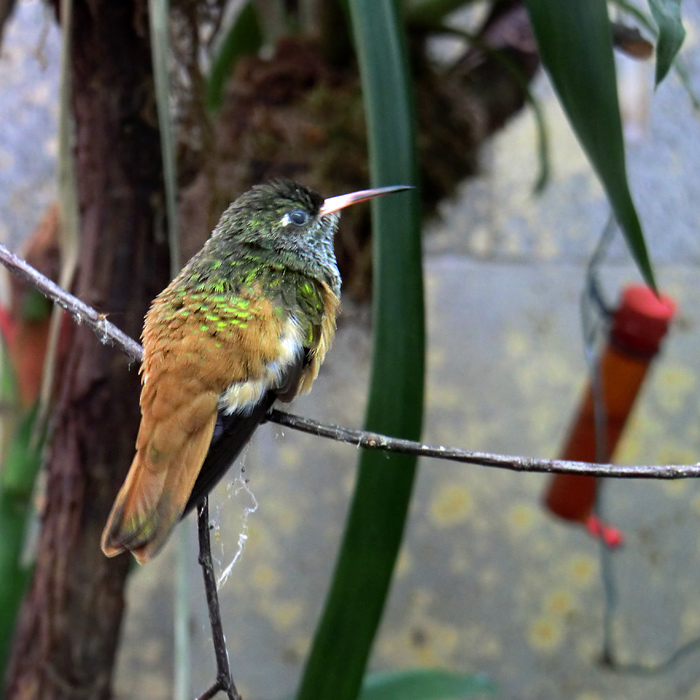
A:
667,15
374,529
21,464
35,306
160,51
575,44
243,37
422,12
678,64
423,684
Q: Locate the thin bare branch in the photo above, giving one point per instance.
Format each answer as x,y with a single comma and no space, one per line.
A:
108,333
210,692
375,441
224,680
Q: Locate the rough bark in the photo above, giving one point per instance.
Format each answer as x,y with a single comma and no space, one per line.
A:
69,624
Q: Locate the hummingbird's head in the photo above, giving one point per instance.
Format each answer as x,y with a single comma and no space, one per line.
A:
283,220
291,221
279,215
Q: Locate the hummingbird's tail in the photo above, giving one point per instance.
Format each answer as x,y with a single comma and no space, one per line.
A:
154,495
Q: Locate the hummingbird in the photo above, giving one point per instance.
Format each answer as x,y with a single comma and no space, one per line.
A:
248,320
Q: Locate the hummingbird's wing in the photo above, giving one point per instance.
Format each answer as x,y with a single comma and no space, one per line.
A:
318,306
231,435
235,354
196,352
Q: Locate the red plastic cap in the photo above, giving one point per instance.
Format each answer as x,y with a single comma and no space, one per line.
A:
642,320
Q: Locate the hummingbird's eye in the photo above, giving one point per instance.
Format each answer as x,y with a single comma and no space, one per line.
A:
299,217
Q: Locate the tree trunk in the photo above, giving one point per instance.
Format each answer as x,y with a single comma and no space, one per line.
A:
69,624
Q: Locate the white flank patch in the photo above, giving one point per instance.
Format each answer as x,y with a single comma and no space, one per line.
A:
243,396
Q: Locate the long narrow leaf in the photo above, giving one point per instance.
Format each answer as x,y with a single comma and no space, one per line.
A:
667,15
243,37
431,11
678,64
159,11
21,466
160,50
575,44
374,529
423,684
69,229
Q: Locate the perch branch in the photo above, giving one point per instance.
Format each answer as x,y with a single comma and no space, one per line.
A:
108,333
224,680
375,441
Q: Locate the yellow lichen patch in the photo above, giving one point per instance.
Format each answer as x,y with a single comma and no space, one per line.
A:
445,397
390,646
436,358
480,240
547,245
489,577
545,633
516,344
669,453
521,518
285,614
512,243
630,450
451,505
582,569
423,642
422,598
256,536
677,487
481,641
559,369
587,650
675,384
347,482
560,602
299,646
289,456
690,622
404,562
443,639
50,146
152,651
459,562
265,578
158,686
286,516
540,420
489,647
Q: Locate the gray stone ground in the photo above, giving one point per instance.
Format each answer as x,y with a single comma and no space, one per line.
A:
487,580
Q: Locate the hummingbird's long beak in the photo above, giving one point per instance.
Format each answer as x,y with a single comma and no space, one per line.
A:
333,204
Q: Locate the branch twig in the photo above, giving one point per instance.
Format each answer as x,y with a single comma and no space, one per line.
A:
224,680
108,333
375,441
